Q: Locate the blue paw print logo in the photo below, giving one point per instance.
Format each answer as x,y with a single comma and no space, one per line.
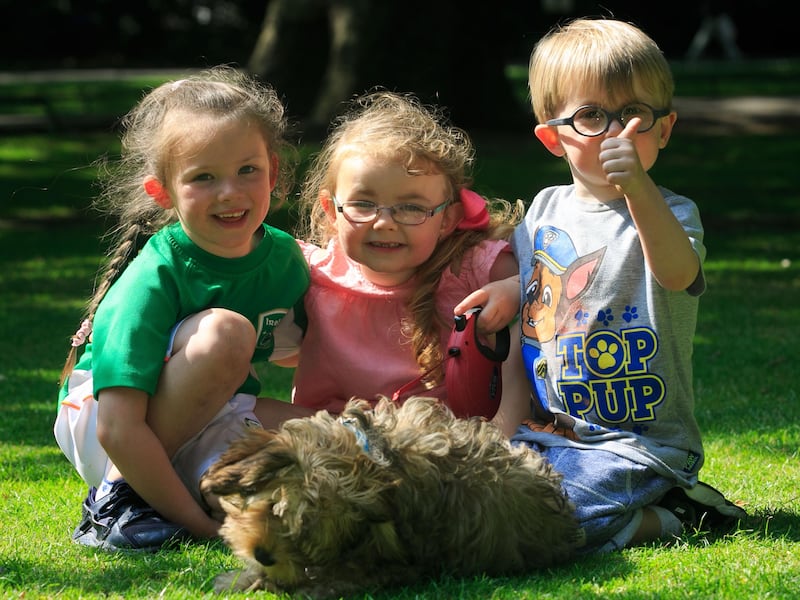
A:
630,314
582,317
605,316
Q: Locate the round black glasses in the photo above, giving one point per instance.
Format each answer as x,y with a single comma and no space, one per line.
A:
591,121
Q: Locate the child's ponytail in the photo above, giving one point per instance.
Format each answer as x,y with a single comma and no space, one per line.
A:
128,244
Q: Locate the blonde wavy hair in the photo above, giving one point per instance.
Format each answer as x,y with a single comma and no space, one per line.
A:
596,54
398,128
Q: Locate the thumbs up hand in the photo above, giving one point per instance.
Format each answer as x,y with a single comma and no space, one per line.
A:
620,160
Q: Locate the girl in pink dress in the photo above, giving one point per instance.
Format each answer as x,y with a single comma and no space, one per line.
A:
397,244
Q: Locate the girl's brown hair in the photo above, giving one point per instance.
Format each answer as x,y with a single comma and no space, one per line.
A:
152,131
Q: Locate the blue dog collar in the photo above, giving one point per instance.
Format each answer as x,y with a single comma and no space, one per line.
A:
361,437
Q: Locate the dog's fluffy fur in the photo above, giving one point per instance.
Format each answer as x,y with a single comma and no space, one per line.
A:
378,497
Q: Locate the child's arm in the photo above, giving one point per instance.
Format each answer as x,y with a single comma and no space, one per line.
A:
499,298
288,337
289,362
136,451
667,249
515,402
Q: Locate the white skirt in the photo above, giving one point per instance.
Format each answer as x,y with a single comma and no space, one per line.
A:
75,430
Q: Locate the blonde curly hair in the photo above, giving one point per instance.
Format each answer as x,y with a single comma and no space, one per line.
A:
398,128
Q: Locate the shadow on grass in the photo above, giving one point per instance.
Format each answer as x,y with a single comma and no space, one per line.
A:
111,574
42,463
766,524
775,524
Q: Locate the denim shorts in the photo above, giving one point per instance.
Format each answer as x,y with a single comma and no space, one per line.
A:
606,489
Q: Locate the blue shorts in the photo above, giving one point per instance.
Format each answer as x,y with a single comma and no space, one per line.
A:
606,489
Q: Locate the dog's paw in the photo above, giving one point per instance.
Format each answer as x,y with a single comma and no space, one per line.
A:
243,580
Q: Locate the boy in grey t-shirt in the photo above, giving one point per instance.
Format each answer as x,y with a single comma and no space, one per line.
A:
611,271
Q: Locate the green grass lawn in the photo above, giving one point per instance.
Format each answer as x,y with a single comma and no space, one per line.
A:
747,380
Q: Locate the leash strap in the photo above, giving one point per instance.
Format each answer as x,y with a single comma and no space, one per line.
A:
417,381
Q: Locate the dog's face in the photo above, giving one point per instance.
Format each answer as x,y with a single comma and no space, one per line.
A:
305,495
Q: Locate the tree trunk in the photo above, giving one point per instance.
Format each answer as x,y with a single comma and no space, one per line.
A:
318,54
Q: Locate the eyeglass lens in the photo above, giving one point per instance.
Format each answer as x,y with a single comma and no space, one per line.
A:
405,214
593,120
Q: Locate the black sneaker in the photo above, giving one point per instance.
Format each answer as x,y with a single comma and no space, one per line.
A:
121,520
702,506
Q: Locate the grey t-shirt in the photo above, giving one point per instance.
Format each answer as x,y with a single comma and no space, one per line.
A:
607,349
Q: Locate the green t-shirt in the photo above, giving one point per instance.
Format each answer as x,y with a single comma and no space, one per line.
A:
173,278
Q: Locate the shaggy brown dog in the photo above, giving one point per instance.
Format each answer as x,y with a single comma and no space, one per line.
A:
329,506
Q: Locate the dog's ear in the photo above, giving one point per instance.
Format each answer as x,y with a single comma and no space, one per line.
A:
248,464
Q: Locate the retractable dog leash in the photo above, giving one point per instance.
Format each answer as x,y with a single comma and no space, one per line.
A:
472,369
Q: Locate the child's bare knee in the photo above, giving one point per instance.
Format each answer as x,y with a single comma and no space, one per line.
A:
218,341
234,333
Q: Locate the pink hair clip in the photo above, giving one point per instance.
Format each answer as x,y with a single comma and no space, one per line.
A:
476,215
83,333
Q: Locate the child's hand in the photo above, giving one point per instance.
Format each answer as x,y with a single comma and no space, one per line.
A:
499,301
620,161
